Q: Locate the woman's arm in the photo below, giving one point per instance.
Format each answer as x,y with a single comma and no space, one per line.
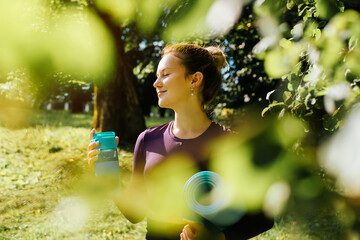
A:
130,200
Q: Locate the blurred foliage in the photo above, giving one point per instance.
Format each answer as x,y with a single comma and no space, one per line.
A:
41,191
144,33
58,88
316,55
263,147
42,38
245,82
80,38
307,66
50,49
42,187
310,47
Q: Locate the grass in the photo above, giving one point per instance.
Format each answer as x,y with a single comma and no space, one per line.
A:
44,174
155,121
44,179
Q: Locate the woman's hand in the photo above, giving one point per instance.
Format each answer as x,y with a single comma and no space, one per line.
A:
189,233
195,231
93,153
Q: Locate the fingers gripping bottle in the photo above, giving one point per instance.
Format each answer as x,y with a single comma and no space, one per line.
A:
108,162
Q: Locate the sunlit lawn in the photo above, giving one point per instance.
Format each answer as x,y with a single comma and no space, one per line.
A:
44,164
44,179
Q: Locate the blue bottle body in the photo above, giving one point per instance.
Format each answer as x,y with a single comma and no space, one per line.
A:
108,162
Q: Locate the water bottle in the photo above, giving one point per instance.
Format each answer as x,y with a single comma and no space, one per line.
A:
108,162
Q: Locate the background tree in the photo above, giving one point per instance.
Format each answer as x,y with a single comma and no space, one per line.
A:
318,62
246,81
117,105
133,30
312,47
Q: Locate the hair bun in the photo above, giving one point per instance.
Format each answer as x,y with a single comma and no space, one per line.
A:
218,56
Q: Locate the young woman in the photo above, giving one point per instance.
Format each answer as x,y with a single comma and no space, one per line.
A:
188,79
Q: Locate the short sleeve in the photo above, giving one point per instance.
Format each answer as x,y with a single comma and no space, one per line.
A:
139,154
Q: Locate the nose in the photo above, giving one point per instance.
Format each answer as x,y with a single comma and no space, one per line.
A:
157,83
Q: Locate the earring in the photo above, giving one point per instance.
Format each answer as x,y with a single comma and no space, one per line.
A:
192,91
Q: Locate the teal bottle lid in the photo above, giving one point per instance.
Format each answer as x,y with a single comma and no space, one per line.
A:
108,162
107,140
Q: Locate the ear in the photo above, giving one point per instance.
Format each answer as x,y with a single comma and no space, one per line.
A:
197,79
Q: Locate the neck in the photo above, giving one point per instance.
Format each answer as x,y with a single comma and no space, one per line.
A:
190,121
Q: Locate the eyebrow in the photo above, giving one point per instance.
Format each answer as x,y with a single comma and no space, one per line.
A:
165,68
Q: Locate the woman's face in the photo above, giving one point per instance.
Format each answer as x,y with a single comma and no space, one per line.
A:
171,84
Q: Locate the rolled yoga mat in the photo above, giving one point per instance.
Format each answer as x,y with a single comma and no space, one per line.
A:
108,162
216,212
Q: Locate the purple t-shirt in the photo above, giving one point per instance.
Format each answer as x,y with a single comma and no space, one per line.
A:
155,144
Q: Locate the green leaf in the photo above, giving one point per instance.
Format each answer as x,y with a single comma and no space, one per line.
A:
271,106
327,8
331,123
276,64
290,4
265,110
353,60
302,10
316,33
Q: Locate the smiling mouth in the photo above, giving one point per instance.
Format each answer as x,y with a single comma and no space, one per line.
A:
160,92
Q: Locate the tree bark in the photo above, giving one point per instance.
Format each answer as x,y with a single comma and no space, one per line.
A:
117,107
77,105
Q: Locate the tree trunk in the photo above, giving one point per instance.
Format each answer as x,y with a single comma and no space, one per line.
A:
77,105
117,106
